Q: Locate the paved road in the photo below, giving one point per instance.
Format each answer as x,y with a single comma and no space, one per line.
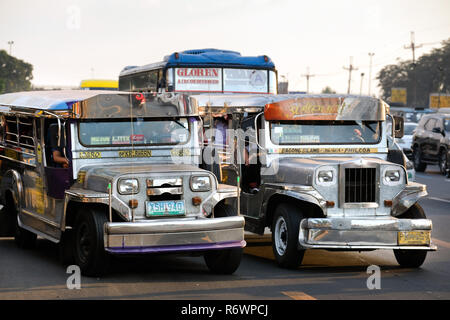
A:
37,274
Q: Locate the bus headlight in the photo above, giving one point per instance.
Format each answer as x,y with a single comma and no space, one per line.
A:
128,186
200,183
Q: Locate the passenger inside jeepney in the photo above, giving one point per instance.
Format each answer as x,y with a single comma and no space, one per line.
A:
56,147
251,177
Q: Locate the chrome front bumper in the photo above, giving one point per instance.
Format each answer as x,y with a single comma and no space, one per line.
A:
174,235
360,233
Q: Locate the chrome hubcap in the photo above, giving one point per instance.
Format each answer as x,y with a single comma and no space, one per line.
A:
281,236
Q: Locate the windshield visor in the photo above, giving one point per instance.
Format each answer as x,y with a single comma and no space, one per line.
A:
136,132
324,132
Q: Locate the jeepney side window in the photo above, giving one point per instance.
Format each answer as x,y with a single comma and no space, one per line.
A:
2,129
11,132
26,134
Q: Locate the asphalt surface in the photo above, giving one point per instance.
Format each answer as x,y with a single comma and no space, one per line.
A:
38,274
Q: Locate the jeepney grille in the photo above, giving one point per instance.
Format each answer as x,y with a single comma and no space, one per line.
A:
360,184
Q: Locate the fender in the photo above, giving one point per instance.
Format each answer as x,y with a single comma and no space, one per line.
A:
303,193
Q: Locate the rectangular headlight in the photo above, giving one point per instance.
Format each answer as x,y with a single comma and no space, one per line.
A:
200,183
128,186
326,176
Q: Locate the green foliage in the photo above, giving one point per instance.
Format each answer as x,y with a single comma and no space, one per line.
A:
15,74
327,89
432,72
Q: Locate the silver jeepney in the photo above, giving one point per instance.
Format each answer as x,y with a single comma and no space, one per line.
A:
121,194
318,190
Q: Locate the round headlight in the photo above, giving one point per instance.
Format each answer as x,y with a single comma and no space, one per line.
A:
128,186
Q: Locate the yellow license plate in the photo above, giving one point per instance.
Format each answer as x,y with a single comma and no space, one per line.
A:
414,238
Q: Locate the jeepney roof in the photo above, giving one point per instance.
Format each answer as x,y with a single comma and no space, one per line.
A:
297,106
98,103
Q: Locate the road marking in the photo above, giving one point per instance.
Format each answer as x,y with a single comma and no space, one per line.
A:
441,243
298,295
438,199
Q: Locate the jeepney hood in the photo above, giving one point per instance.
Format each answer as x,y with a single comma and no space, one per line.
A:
97,178
300,170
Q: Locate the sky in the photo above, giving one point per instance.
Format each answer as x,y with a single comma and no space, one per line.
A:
67,41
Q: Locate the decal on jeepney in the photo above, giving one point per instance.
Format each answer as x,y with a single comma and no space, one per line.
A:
135,154
90,155
180,152
324,150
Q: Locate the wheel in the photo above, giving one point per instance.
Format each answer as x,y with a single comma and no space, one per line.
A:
411,258
228,260
419,166
285,229
443,162
89,251
23,238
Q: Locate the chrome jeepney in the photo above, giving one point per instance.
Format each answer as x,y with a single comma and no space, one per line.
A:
131,183
328,175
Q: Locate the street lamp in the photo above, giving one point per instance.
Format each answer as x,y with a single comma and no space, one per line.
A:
10,46
371,54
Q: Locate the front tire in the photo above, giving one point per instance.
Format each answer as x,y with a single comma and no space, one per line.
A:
411,258
285,229
419,166
228,260
89,251
443,162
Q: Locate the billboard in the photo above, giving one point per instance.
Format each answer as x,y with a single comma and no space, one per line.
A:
398,95
439,100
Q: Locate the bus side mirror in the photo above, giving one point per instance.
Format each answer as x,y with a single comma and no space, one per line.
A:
399,126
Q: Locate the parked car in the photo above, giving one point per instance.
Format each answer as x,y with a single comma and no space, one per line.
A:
431,142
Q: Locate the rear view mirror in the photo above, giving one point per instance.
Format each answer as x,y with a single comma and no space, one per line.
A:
399,127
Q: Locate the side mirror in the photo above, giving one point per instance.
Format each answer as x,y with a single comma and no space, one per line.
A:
399,127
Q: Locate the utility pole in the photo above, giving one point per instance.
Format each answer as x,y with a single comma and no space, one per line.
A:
360,89
350,69
371,54
413,47
10,46
307,75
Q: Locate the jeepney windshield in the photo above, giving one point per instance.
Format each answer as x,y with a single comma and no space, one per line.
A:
139,131
325,132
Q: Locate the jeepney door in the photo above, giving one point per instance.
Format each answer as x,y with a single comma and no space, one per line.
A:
58,178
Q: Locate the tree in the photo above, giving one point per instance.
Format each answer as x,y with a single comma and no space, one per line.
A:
327,89
432,73
15,74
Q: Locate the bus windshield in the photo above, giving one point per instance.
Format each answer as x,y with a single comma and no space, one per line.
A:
325,132
136,132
